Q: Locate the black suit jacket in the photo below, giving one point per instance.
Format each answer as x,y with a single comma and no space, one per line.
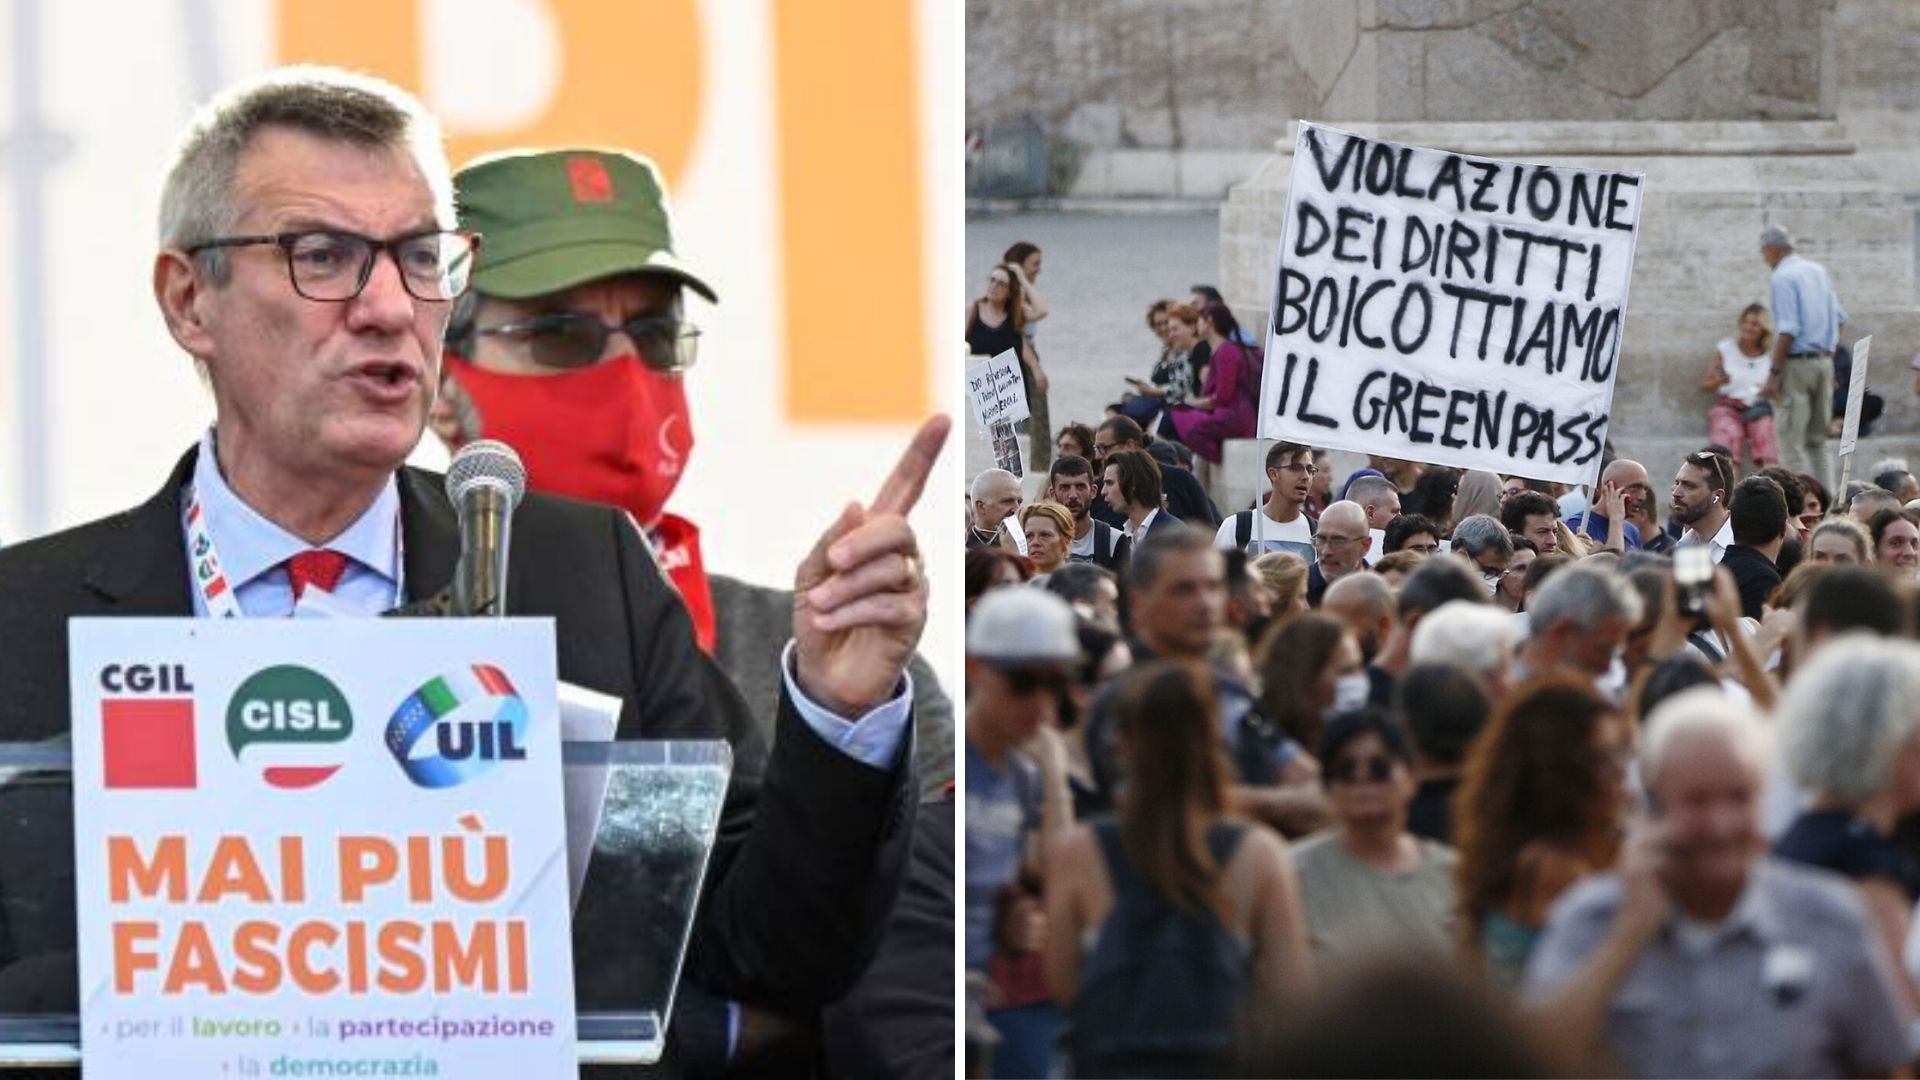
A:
813,844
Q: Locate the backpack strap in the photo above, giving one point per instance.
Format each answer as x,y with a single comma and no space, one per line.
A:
1223,839
1243,528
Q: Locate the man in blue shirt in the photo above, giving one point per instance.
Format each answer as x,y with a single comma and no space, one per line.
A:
1630,478
1806,325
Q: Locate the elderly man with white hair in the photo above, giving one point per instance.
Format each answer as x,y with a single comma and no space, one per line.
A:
994,496
1702,956
1473,637
1850,733
1340,547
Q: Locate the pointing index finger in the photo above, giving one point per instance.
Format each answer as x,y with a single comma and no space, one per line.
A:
909,477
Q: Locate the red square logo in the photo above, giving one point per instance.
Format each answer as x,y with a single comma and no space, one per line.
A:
149,742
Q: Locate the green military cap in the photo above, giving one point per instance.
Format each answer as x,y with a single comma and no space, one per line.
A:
553,219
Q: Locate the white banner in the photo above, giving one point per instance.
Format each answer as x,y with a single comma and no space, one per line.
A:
997,390
1444,308
318,847
1856,393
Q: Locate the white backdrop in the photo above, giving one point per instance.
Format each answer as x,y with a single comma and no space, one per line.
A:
92,95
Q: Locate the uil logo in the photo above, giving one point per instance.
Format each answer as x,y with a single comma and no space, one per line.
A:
458,726
291,723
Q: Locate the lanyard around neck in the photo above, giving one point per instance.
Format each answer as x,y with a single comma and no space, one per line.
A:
217,591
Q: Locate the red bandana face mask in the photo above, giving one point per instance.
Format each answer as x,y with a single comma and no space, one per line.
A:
616,432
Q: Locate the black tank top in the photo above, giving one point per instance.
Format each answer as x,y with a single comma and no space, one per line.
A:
984,340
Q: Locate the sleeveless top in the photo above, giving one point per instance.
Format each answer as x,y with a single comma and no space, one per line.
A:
984,340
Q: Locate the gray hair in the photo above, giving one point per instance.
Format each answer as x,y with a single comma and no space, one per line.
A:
1701,711
1478,493
1465,634
1480,532
978,491
197,200
1368,489
1584,596
1775,236
1845,716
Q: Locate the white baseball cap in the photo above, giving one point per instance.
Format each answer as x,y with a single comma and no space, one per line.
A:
1022,624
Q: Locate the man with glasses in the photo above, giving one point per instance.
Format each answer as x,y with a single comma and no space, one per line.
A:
1022,647
574,347
1280,524
1339,546
1483,542
308,265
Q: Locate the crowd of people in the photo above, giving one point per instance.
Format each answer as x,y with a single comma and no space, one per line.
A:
1643,781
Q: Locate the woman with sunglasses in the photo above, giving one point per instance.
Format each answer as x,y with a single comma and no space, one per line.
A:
1178,861
1542,804
1368,884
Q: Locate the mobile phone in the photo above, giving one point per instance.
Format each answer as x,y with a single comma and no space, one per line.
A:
1692,575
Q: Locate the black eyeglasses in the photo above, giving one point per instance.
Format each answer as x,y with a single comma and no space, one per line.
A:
332,266
1022,681
575,339
1350,770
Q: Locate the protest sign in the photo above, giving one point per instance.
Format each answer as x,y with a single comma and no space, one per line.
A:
1439,307
1856,394
320,848
997,390
1006,446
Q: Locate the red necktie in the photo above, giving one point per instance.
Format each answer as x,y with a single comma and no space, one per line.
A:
322,568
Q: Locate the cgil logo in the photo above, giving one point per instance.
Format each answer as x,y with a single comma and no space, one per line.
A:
289,722
475,718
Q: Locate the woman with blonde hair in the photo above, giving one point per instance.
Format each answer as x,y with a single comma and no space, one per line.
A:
1049,529
1740,417
1285,574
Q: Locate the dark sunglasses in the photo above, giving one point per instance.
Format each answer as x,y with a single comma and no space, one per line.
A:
574,339
1024,681
1350,770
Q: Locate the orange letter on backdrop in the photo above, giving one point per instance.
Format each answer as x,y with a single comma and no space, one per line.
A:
128,873
846,87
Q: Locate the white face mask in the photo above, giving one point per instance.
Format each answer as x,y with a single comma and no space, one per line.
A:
1350,693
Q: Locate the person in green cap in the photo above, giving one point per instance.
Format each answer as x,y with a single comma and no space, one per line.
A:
573,347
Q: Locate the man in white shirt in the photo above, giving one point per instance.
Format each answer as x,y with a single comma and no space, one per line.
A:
1700,501
1131,486
1279,524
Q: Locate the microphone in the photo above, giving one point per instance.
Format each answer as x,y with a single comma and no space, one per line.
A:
485,483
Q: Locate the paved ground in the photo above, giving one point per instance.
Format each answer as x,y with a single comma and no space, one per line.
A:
1101,272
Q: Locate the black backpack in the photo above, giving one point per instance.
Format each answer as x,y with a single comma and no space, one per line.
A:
1162,991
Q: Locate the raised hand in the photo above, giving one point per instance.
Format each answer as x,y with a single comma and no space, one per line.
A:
860,596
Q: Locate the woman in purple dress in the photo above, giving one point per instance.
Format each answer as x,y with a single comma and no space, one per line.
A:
1229,397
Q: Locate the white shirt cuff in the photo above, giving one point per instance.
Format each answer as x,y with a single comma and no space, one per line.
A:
872,739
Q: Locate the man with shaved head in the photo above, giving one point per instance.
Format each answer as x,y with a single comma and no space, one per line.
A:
1629,478
1365,603
1339,547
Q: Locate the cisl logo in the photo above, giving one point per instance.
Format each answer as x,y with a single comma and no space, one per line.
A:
291,723
476,718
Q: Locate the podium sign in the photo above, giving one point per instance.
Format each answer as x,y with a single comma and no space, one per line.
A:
320,847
